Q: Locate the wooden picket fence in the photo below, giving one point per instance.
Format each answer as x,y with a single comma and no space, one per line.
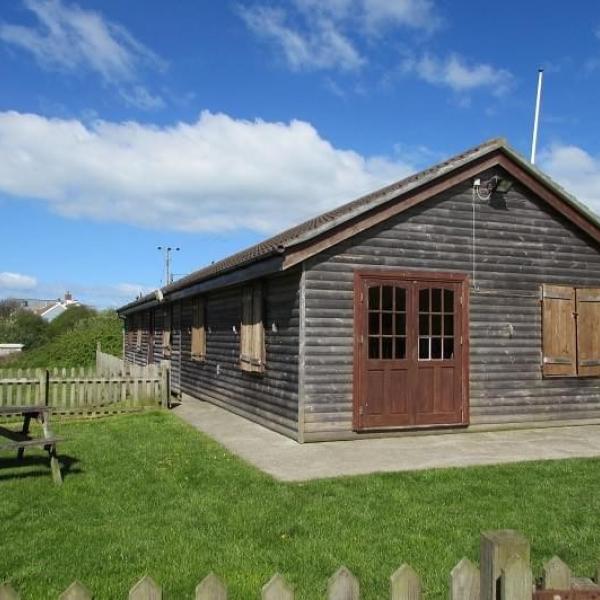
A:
84,390
107,364
505,575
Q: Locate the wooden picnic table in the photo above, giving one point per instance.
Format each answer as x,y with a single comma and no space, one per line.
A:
20,440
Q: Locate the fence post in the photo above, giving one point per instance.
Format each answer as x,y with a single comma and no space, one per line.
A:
44,391
165,393
98,357
497,548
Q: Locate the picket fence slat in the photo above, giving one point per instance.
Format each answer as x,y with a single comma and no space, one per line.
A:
514,580
76,591
211,588
146,589
343,586
405,584
277,589
7,592
464,581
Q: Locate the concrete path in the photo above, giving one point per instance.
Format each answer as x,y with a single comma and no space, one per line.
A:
287,460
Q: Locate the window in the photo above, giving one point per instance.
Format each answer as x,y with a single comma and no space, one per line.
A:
198,331
167,332
436,324
387,322
570,331
252,332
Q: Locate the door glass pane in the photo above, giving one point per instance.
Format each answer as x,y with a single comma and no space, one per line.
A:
400,299
387,297
424,324
400,347
448,324
374,347
386,323
374,298
400,324
436,324
424,300
387,347
373,323
436,300
448,301
448,348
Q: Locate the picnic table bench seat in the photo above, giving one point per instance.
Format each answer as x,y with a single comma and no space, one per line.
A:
20,440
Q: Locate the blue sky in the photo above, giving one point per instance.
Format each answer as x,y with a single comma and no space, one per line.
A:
210,125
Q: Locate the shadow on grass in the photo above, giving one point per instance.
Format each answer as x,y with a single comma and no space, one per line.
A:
67,467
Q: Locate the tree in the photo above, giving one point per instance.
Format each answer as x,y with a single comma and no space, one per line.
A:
23,327
8,307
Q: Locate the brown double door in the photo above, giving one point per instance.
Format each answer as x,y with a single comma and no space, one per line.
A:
410,350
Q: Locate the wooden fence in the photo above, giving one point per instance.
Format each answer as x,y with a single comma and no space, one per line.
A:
107,364
84,390
505,575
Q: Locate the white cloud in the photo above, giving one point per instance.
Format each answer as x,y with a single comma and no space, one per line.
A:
69,38
454,72
419,14
140,97
323,46
16,281
214,174
576,170
313,34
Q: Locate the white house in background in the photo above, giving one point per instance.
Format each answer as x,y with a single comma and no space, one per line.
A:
48,309
49,313
6,349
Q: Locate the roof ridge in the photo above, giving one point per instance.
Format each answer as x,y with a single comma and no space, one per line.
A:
274,244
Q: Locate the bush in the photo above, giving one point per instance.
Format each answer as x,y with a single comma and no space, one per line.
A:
69,319
23,327
75,347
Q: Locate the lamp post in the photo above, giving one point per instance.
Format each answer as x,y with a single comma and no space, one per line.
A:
167,250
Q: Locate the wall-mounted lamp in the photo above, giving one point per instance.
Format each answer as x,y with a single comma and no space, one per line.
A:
274,327
495,184
234,328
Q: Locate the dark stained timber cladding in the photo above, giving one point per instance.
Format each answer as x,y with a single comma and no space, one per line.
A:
271,397
520,243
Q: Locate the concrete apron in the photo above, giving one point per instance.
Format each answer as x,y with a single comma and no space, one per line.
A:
287,460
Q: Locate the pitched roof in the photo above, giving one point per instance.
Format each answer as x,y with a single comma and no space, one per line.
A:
284,241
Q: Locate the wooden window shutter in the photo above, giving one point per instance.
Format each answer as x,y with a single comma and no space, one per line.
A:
588,331
199,331
252,333
167,331
558,330
258,330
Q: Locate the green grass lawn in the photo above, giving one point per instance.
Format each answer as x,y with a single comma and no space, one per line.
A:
148,494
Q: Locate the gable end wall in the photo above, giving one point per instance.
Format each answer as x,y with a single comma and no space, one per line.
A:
520,244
